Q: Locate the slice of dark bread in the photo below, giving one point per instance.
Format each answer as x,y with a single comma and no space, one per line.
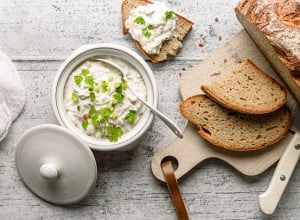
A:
247,89
169,47
233,130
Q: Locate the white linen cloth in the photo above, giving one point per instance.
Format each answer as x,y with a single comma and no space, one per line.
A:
12,94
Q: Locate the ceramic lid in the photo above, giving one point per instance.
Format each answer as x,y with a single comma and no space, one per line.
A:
55,165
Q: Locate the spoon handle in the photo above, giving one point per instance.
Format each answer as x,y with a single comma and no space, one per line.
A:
176,130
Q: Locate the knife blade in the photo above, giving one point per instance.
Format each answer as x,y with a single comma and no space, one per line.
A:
269,200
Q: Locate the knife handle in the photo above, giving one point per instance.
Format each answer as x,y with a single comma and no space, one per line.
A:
269,199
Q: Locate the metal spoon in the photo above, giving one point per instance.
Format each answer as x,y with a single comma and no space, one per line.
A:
174,128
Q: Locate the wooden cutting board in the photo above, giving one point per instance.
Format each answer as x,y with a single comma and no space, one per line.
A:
193,149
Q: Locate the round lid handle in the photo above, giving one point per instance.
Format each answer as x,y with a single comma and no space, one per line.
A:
49,172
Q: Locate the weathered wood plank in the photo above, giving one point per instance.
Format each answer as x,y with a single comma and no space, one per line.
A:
55,28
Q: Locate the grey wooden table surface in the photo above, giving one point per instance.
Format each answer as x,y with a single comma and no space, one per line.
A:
38,35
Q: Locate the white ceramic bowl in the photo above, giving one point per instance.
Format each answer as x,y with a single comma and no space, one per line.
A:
128,140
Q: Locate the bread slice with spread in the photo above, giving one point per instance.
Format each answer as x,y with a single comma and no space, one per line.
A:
247,89
169,47
233,130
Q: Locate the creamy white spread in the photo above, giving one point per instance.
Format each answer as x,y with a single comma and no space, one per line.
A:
98,101
151,25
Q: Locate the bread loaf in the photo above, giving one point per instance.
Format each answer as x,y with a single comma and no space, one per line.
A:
247,89
169,47
232,130
274,25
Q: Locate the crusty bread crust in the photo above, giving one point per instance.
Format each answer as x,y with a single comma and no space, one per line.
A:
290,78
270,86
276,20
169,47
246,133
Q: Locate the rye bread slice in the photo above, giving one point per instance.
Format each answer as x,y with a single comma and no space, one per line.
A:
169,47
247,89
233,130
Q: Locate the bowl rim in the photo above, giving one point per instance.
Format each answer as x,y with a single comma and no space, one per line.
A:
132,139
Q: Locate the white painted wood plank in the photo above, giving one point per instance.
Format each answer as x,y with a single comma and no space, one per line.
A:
55,28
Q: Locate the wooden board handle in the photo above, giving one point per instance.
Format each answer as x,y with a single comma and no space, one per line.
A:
186,152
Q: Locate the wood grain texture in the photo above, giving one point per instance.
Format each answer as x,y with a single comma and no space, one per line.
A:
38,35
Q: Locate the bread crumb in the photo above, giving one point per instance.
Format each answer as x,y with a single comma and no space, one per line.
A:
220,38
225,60
216,73
201,45
216,19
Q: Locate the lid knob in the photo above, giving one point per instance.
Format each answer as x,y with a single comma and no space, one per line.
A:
49,172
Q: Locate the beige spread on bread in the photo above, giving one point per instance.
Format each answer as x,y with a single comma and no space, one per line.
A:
279,20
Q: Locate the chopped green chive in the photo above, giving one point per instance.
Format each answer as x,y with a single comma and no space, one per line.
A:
131,116
139,20
85,72
92,96
105,112
124,83
150,27
114,133
74,97
85,124
118,97
92,110
96,120
113,101
119,89
89,80
104,86
146,32
78,79
168,14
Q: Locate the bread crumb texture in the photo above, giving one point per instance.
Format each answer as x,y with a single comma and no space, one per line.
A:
233,130
248,89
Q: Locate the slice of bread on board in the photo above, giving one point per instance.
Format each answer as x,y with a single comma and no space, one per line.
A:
247,89
233,130
169,47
